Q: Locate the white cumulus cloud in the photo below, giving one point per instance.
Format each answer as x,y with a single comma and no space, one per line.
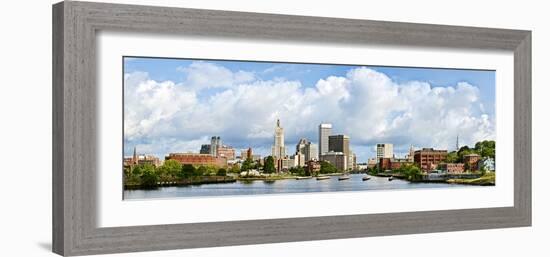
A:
367,105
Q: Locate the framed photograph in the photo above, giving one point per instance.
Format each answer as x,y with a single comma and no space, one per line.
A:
182,128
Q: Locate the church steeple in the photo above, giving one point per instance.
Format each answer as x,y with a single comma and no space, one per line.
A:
135,157
278,123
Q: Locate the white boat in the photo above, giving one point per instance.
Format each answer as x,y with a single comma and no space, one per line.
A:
390,178
366,178
323,177
300,178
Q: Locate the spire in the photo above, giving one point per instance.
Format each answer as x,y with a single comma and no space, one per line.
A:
457,147
278,123
134,157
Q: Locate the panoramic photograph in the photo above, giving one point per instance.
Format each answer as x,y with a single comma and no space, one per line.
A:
201,128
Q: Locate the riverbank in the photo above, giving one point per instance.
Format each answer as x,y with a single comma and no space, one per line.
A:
183,182
463,179
486,180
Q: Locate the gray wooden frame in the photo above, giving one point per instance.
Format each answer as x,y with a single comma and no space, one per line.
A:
75,25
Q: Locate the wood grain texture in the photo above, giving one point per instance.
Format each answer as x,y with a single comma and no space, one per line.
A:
75,25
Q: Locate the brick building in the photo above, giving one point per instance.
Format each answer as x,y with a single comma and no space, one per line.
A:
226,152
428,158
313,167
453,168
198,159
392,163
471,160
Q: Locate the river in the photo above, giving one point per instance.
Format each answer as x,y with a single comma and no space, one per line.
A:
284,186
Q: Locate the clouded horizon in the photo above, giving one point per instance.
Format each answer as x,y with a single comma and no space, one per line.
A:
176,105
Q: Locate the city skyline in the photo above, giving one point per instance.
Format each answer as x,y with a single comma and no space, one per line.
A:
177,105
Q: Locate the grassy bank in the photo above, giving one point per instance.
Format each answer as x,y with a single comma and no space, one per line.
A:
486,180
199,180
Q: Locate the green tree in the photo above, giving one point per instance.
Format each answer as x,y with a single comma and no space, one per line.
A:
201,171
269,165
187,171
149,177
169,169
221,172
412,172
300,171
248,164
327,167
235,169
486,148
452,157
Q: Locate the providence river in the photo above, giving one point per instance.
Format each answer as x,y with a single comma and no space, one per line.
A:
258,187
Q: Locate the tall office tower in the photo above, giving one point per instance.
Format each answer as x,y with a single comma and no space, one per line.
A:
311,152
340,144
278,148
384,151
215,143
325,130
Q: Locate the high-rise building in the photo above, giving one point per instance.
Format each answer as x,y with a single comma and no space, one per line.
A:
340,144
278,149
384,151
337,159
215,142
308,149
325,130
311,152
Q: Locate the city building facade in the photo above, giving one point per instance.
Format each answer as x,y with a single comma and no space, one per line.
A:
278,149
428,158
338,159
471,161
325,130
384,151
453,168
198,159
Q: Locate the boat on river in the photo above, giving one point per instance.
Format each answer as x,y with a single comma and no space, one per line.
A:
300,178
345,177
366,178
390,178
323,177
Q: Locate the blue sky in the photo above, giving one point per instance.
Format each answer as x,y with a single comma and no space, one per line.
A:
466,95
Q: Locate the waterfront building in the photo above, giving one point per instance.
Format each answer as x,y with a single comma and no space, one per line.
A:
452,168
313,167
337,159
428,158
215,142
471,160
487,164
384,164
198,159
372,162
325,130
384,151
